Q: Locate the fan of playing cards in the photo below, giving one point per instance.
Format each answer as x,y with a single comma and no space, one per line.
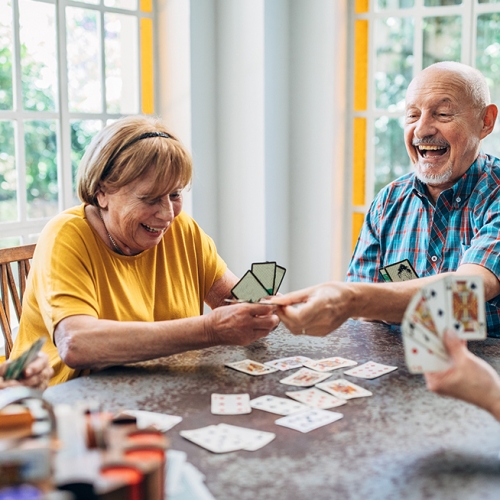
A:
455,303
263,280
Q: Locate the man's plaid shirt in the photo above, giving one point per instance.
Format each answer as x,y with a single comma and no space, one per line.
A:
462,228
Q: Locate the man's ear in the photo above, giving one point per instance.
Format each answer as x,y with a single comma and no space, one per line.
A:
489,119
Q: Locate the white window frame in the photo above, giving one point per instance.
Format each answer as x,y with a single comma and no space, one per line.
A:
25,228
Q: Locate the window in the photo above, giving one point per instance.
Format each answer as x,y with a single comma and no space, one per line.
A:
394,40
67,68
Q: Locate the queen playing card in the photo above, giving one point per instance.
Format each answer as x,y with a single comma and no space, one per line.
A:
305,378
344,389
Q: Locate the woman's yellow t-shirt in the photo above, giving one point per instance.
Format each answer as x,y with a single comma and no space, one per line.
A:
74,272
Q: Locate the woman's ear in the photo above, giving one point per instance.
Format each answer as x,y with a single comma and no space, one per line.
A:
101,196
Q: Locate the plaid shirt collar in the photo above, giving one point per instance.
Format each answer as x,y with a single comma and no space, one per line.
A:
462,189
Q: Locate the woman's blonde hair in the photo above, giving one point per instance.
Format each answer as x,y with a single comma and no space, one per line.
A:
126,150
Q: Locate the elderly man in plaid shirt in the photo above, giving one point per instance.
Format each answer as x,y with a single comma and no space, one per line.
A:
444,217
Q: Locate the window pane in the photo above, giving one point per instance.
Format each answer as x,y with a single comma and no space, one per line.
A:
82,132
394,4
38,55
84,76
441,3
394,61
94,2
391,159
488,51
442,39
8,243
121,4
41,168
489,1
122,74
8,173
5,55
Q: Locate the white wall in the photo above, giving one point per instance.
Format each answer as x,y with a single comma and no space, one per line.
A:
266,115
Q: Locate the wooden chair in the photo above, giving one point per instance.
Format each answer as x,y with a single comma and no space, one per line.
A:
8,287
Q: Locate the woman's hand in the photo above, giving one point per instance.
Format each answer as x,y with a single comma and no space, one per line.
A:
240,324
36,375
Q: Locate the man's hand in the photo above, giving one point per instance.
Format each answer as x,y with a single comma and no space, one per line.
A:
470,378
317,310
240,324
36,375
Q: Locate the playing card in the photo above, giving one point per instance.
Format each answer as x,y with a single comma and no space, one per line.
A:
159,421
370,370
284,364
465,302
249,288
329,364
421,359
251,367
254,439
401,271
316,399
265,272
419,312
230,404
418,333
305,378
384,274
274,404
278,278
343,389
434,303
309,420
215,439
16,367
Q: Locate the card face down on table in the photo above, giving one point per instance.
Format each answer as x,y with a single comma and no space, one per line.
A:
453,303
263,280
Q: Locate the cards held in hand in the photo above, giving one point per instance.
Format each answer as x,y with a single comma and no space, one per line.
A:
263,280
15,368
453,303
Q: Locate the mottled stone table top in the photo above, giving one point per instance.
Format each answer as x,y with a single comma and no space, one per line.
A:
401,443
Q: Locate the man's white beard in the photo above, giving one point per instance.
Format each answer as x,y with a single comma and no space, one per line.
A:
433,179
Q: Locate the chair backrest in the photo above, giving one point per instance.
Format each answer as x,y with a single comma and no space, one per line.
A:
9,290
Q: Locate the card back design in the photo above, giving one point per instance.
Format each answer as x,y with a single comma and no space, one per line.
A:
249,288
401,271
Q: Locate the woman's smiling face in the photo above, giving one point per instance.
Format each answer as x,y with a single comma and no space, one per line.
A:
134,219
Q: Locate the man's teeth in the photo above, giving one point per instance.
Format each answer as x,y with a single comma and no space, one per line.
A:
151,229
431,148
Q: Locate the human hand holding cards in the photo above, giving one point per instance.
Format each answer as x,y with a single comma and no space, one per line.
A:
15,369
263,280
452,303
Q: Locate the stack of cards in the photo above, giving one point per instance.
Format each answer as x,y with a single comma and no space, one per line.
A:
263,280
284,364
223,438
316,399
455,303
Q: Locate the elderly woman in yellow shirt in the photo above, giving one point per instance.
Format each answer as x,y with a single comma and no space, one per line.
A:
124,276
